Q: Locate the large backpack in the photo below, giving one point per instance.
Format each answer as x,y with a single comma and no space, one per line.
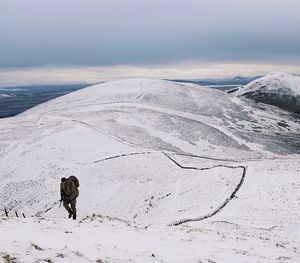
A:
75,180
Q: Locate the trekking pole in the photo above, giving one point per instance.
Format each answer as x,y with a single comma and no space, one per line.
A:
43,212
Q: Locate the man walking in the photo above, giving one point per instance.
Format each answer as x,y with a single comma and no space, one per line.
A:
69,193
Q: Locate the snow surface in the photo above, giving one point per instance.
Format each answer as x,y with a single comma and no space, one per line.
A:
279,89
168,173
276,80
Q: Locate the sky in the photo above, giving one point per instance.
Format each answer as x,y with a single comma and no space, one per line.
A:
110,39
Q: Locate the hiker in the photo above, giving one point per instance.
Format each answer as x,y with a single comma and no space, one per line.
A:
69,192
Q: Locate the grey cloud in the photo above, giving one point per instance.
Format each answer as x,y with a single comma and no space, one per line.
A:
132,32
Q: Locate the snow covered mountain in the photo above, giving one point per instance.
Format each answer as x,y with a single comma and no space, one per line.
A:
152,154
279,89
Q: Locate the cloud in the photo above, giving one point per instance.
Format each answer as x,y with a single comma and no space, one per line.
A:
91,75
142,33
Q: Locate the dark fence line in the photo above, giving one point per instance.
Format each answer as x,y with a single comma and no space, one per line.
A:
16,213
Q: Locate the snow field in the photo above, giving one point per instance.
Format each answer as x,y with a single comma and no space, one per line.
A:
149,153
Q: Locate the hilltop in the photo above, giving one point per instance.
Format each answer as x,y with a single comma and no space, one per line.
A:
153,155
278,89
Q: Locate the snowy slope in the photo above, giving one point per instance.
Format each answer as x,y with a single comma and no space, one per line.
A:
279,89
175,117
154,154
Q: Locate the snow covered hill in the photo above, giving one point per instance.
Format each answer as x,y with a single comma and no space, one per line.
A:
161,157
279,89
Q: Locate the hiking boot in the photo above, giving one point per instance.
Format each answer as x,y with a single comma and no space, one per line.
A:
74,217
70,214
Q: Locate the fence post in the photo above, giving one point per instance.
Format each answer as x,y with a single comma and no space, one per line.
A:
5,210
17,214
23,215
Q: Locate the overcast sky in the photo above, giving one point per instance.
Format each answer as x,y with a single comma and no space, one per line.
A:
148,33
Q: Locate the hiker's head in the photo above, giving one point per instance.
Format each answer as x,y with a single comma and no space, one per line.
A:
63,179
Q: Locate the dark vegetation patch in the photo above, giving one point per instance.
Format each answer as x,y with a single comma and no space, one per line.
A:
9,259
280,99
15,100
